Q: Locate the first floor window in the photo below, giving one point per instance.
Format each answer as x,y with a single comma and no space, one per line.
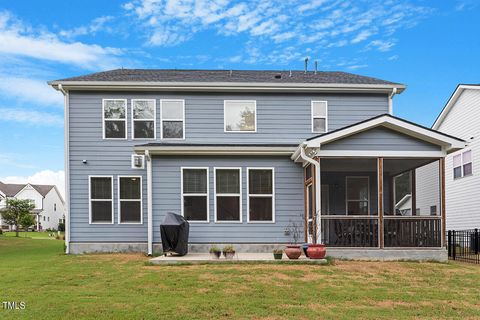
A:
101,200
240,115
130,199
462,164
195,194
173,118
143,118
227,193
114,118
260,195
357,195
433,210
319,116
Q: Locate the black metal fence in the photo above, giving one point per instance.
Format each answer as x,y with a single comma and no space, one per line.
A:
464,245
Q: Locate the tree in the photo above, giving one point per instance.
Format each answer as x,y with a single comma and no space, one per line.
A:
18,213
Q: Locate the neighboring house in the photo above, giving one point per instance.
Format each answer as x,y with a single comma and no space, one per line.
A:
49,208
242,155
459,117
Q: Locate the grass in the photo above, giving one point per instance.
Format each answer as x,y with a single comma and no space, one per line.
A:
124,286
31,235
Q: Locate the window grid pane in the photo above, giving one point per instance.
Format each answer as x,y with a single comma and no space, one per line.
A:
143,109
261,208
228,208
130,188
115,129
172,130
319,124
467,157
260,181
172,110
319,109
130,211
101,188
227,181
114,109
457,160
194,181
195,208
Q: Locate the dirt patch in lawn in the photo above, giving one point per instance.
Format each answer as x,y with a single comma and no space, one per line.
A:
373,267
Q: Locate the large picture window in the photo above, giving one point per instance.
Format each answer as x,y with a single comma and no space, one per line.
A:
261,195
319,116
357,202
114,118
240,116
130,199
228,198
173,119
101,199
462,164
143,119
195,194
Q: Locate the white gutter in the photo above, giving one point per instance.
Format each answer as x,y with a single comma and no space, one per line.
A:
318,184
67,166
149,204
390,102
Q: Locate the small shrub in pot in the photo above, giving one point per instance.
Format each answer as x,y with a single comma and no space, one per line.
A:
215,252
277,254
228,252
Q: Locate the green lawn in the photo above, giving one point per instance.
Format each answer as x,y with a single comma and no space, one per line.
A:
114,286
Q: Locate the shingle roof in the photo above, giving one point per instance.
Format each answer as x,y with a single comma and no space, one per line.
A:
43,189
11,189
256,76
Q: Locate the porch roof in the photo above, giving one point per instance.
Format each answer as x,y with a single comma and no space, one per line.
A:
215,149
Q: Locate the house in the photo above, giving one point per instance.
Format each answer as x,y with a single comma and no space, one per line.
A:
49,205
242,155
462,183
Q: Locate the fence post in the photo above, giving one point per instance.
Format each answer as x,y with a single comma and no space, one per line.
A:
475,238
454,249
449,243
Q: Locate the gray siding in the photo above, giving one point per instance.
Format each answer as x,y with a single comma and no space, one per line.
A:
380,139
288,198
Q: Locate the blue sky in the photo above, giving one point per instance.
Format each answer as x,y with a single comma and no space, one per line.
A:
430,46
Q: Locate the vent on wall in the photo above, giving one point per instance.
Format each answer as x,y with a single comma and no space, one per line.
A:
138,161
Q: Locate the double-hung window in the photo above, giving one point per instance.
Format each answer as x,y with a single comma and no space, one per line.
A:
195,194
130,199
357,198
173,119
462,164
240,115
101,199
228,183
319,116
143,119
114,118
261,195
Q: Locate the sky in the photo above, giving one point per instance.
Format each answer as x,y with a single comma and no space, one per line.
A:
430,46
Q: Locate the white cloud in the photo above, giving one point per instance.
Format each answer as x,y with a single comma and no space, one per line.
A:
49,177
31,117
97,24
363,35
381,45
31,90
314,4
17,39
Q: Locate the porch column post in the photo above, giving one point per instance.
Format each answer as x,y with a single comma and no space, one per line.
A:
442,198
149,205
414,193
317,222
380,200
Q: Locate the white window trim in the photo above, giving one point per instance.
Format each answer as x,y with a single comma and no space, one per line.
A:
132,164
90,199
225,122
357,200
317,117
119,200
103,120
261,195
227,194
196,194
132,101
162,119
462,164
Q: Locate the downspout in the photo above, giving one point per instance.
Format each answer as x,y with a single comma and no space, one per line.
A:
317,191
149,204
390,102
67,165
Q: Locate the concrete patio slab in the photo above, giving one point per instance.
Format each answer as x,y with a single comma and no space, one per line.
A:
242,257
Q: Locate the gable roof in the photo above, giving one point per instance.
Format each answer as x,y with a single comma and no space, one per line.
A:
451,102
151,77
42,188
12,189
406,127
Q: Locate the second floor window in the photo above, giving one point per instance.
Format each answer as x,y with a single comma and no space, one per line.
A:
319,116
114,119
462,164
143,119
173,119
240,116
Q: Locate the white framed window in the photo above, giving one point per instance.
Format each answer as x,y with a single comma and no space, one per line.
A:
130,202
357,195
172,119
261,195
100,195
144,121
462,164
240,115
114,117
195,199
319,116
228,194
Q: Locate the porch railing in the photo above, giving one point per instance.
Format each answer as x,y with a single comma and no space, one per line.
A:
464,245
412,232
350,232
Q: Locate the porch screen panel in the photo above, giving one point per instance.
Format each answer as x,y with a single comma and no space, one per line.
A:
227,189
358,196
195,194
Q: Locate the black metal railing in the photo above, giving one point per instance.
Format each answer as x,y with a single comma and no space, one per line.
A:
464,245
413,232
353,232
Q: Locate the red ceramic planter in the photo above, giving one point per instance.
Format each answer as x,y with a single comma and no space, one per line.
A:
293,252
316,251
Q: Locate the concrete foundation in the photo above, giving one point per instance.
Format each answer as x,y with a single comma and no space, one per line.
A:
95,247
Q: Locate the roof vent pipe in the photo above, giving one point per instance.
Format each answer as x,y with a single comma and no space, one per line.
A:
290,74
231,72
306,64
316,65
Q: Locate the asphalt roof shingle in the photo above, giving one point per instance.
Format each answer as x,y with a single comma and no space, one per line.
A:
11,189
233,76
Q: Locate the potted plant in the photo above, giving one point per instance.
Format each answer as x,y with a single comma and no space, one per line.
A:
316,251
277,254
215,252
293,250
228,252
